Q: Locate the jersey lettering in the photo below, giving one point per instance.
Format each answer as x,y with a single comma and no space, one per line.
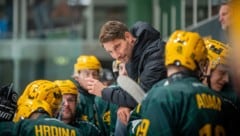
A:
45,130
208,101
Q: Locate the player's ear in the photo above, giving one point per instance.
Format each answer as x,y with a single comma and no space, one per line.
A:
128,36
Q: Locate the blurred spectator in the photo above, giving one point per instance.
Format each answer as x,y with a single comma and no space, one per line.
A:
224,17
9,13
68,14
61,11
41,11
3,25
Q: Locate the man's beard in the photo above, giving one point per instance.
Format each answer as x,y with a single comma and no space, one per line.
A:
69,115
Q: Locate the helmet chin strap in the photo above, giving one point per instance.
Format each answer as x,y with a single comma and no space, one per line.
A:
202,75
208,77
209,81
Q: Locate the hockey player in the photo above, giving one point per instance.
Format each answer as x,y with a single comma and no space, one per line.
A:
181,104
67,113
35,113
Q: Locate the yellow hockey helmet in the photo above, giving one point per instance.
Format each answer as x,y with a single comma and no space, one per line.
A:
25,93
46,91
29,106
67,87
87,62
185,49
217,52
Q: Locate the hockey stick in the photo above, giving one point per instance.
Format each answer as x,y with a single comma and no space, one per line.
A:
131,87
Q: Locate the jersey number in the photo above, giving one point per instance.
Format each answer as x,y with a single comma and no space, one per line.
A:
207,130
143,128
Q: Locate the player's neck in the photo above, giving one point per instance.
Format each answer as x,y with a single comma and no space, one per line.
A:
172,70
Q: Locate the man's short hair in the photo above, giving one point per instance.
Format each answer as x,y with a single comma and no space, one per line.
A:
112,30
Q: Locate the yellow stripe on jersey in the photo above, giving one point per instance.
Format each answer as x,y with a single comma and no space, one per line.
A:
138,108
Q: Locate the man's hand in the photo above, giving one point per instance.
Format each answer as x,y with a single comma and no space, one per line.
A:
95,87
123,114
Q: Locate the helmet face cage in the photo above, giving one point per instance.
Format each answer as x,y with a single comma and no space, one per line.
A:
185,49
217,53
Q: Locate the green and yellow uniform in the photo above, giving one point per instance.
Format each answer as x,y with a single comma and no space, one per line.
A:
97,111
107,116
86,110
180,105
44,126
86,128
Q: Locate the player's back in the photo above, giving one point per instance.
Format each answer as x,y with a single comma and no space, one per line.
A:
182,106
44,126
